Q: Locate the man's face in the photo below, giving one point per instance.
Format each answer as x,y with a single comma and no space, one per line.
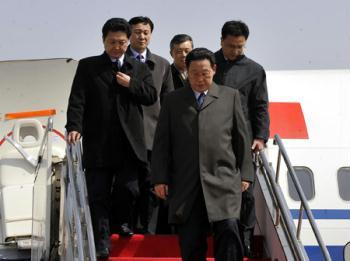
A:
233,46
116,44
140,36
200,75
179,54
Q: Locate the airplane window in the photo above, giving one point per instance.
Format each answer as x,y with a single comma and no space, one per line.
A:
306,180
344,183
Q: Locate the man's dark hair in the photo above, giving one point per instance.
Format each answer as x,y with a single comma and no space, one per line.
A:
116,25
179,39
235,28
141,20
199,54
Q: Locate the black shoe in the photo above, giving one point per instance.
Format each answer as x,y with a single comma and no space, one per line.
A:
248,251
125,231
102,254
142,231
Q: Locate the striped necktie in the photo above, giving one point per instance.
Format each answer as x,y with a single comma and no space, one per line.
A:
139,57
200,99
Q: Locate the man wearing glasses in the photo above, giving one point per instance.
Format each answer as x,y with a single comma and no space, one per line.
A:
105,109
236,70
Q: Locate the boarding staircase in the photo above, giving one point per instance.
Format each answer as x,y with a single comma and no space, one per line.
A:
61,225
274,219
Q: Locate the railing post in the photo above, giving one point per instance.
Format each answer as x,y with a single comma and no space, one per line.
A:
300,220
278,165
302,198
281,206
278,211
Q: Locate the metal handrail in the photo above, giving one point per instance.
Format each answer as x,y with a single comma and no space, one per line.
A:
77,212
303,200
282,207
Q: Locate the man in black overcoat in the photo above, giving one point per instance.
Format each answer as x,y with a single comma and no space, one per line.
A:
105,108
236,70
201,161
180,46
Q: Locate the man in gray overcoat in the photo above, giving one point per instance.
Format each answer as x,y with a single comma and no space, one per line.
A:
201,161
141,34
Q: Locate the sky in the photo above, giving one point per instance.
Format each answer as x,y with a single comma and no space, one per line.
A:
285,35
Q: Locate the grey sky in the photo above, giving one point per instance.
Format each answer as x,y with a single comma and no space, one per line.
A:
298,34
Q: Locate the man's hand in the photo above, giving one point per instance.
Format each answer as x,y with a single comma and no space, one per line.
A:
73,137
161,190
244,185
258,145
123,79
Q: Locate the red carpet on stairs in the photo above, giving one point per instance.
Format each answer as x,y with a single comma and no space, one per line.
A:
150,248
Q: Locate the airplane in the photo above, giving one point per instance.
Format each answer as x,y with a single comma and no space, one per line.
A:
309,111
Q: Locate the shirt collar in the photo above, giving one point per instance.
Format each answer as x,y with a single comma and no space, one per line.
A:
135,54
121,60
182,74
199,93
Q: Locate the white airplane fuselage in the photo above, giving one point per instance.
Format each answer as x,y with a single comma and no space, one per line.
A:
321,143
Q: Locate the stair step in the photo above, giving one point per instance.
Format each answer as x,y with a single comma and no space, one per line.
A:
149,246
152,248
169,259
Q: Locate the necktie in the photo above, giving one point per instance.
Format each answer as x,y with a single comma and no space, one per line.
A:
116,65
200,99
139,58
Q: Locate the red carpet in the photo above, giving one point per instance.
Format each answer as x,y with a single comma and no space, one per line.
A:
151,248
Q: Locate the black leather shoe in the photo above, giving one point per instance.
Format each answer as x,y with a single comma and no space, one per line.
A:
102,254
125,231
142,231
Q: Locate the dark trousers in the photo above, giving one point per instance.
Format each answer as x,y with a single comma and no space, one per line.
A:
146,200
98,182
112,192
163,226
125,192
193,236
247,217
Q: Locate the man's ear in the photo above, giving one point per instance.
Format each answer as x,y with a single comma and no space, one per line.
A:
214,68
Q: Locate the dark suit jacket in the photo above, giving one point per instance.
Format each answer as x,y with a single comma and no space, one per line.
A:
178,81
163,82
206,148
249,78
98,107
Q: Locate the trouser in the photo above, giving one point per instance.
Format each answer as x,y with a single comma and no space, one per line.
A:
247,217
163,226
112,192
193,236
125,192
145,202
98,182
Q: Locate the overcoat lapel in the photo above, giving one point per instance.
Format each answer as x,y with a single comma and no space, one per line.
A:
190,98
211,96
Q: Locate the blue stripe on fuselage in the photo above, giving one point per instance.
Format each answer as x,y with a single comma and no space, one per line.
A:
324,213
314,253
